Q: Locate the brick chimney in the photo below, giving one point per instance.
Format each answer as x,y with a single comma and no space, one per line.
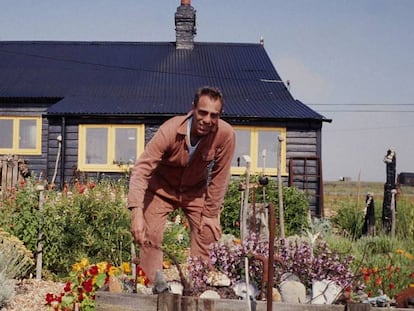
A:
185,25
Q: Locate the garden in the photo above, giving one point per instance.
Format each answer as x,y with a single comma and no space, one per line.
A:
82,236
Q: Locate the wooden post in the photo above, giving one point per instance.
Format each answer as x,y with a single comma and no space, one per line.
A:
39,254
280,188
245,209
393,215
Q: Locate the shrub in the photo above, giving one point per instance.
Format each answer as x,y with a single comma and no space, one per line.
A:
6,289
296,206
349,220
86,220
15,259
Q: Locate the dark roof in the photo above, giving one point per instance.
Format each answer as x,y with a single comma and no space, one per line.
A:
145,78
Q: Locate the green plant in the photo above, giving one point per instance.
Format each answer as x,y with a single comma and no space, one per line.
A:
176,239
296,205
84,280
6,289
15,261
85,220
349,220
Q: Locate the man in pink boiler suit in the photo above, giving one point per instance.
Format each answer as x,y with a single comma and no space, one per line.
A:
185,165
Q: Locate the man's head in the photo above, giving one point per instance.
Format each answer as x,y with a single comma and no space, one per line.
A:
207,108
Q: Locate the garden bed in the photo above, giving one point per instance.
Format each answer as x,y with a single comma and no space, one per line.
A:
107,301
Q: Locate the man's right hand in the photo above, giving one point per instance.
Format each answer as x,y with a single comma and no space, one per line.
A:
138,225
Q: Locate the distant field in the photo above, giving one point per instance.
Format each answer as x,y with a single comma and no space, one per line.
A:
338,193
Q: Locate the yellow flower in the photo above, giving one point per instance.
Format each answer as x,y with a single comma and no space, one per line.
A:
126,268
112,271
411,285
409,256
84,262
77,267
102,266
400,251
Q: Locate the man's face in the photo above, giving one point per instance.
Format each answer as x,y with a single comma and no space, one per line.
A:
206,115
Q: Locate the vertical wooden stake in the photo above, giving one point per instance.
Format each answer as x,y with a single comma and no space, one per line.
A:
280,188
245,210
39,255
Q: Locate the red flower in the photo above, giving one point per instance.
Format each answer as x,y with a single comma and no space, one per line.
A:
87,285
67,287
140,272
378,281
391,286
49,298
411,276
92,185
94,270
80,297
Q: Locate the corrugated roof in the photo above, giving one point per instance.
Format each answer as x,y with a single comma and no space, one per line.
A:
146,77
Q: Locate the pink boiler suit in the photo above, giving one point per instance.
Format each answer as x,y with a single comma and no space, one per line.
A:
165,178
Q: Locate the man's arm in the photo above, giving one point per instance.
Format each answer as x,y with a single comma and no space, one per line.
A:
220,176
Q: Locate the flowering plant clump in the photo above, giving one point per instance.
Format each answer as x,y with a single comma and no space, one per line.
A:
308,262
389,277
80,290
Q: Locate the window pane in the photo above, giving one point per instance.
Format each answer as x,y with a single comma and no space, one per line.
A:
268,141
6,130
96,145
242,148
27,131
125,145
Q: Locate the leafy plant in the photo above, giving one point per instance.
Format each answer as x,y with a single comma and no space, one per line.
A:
176,239
86,220
296,205
349,220
6,289
85,280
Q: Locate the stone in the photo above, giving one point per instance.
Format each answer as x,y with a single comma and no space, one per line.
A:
292,292
210,294
176,287
243,291
325,292
115,285
276,295
218,279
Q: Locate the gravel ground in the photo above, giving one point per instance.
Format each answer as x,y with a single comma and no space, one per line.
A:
30,295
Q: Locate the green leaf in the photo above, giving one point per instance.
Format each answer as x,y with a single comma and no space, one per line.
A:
100,280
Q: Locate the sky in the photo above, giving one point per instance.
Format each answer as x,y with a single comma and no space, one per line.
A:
350,60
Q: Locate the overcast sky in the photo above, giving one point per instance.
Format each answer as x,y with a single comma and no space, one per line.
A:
350,60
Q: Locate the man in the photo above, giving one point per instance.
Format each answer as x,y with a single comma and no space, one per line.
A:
185,165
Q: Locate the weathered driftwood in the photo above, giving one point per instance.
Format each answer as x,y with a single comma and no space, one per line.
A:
106,301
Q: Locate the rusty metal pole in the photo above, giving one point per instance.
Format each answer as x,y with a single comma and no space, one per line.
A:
270,270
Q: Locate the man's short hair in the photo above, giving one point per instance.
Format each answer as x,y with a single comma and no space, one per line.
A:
210,91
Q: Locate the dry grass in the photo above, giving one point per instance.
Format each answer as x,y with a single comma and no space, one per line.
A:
344,192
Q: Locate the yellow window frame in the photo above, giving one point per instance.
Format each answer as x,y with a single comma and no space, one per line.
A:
254,156
110,166
16,135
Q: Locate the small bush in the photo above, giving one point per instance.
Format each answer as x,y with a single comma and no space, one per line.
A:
6,290
296,206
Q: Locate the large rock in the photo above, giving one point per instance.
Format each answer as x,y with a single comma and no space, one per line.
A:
293,292
325,292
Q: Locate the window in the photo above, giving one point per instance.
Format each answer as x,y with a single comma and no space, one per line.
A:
20,135
261,145
109,148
